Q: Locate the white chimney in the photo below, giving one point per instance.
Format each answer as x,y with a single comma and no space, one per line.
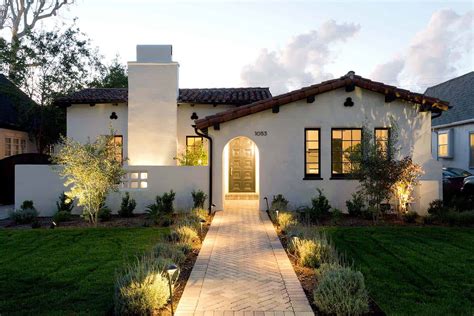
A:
152,106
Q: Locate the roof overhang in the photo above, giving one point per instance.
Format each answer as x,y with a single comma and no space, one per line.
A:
348,81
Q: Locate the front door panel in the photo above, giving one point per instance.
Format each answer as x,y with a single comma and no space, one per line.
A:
241,165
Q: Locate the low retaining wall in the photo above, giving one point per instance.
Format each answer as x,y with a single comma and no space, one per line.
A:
43,185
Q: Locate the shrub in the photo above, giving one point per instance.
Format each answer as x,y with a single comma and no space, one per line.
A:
35,223
62,216
356,206
320,207
65,204
286,220
328,252
27,204
186,234
167,200
200,213
307,251
105,214
436,207
127,206
153,212
184,248
461,202
410,217
279,203
199,198
325,268
141,288
167,250
26,214
192,219
458,218
336,215
163,205
341,291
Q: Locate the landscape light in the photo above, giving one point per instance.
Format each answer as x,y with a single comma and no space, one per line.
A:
171,269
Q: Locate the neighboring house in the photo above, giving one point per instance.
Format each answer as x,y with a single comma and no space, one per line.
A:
14,139
453,132
259,145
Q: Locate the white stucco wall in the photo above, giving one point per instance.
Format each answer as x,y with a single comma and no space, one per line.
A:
85,123
281,152
460,158
152,113
43,185
185,123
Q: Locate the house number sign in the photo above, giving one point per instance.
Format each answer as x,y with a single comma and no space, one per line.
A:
261,133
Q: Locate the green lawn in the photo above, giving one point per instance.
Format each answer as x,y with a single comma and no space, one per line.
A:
65,271
414,270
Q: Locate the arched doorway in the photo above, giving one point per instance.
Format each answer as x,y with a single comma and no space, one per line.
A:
241,172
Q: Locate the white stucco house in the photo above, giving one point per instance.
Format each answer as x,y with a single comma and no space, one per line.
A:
453,132
259,145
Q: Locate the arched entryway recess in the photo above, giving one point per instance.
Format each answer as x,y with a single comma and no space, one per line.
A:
241,176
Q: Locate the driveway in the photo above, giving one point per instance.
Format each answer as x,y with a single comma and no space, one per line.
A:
242,269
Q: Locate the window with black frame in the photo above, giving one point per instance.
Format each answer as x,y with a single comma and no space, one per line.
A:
344,142
312,153
195,145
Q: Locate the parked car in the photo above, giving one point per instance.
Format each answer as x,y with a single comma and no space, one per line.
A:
457,181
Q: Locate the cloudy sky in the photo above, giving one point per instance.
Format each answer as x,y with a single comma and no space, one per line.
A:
289,44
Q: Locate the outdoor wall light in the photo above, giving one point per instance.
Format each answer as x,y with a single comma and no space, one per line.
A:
171,269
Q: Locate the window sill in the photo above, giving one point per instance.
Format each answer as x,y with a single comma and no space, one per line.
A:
342,178
312,178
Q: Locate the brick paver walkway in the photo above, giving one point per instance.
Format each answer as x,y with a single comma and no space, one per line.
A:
242,269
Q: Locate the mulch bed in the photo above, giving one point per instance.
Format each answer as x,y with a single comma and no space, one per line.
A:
308,276
139,220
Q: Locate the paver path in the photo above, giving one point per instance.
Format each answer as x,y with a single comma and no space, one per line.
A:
242,269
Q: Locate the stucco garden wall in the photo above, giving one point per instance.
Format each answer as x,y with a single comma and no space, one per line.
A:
43,185
281,152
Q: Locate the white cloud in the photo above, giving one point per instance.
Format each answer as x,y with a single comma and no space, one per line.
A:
301,62
434,53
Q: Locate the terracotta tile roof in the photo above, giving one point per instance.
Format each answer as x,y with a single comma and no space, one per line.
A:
349,80
94,95
237,96
233,96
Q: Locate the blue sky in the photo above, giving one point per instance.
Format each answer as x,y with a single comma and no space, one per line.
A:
215,41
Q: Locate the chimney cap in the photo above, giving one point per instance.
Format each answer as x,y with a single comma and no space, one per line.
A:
154,53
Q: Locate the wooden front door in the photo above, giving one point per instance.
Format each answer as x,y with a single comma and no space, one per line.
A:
241,165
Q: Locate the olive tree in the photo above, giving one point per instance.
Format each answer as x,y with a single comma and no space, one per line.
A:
91,171
381,175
